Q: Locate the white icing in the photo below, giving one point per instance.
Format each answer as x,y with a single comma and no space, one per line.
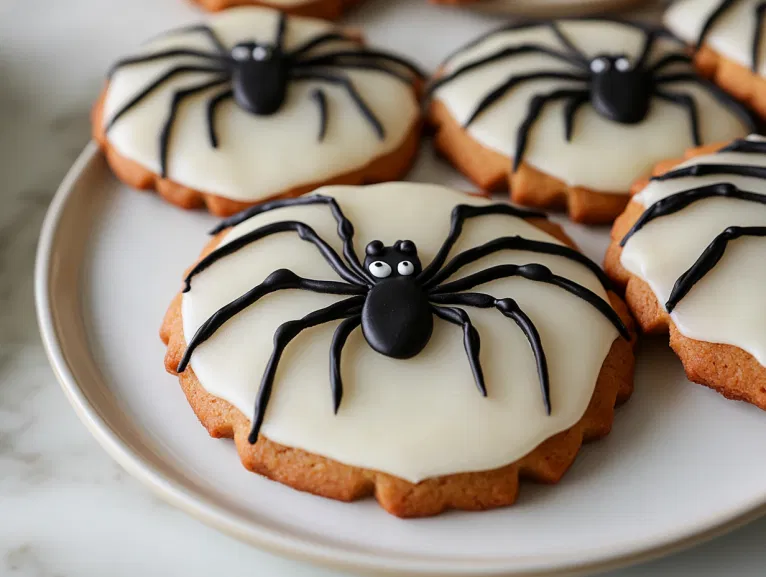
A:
726,305
257,157
732,34
418,418
603,155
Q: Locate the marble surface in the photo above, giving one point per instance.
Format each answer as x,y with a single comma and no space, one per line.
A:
66,509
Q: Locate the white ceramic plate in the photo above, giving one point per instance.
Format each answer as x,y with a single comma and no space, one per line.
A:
681,465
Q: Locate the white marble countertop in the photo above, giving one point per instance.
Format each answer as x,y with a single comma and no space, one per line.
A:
66,509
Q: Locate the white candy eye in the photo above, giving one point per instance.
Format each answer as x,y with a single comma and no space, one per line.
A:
598,65
260,53
405,268
622,64
380,269
240,53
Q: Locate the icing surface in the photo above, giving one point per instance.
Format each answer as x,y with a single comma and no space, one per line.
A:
724,306
415,418
731,35
256,156
602,155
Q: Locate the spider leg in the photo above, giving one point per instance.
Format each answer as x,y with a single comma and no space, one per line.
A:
537,273
178,97
714,169
304,231
687,102
212,106
460,214
536,106
345,83
207,31
333,59
282,337
680,200
471,340
155,84
746,146
511,83
755,51
668,59
317,41
164,54
503,54
567,42
713,18
345,228
649,40
570,110
281,279
722,97
320,98
517,243
707,260
279,41
339,339
510,309
355,64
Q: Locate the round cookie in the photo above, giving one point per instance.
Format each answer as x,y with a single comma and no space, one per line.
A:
392,374
568,113
730,44
256,105
328,9
710,210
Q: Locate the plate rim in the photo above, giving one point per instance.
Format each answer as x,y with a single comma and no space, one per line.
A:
597,560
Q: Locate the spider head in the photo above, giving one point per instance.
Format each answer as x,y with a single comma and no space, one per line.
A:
618,90
400,260
260,76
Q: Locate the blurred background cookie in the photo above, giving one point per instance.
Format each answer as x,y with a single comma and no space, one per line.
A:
569,113
329,9
256,105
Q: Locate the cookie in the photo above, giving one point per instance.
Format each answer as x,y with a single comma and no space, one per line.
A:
390,374
328,9
257,105
728,36
689,252
568,113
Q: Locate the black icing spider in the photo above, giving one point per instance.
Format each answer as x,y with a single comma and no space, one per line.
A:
257,77
392,297
618,89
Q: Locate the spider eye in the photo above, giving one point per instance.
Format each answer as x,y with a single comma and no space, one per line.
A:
380,269
622,64
405,268
261,53
240,53
599,65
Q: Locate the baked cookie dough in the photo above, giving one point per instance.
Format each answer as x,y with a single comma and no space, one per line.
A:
569,113
728,36
328,9
468,346
256,105
689,251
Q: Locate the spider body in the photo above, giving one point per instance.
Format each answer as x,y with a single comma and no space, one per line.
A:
257,76
618,87
391,296
619,91
260,76
397,320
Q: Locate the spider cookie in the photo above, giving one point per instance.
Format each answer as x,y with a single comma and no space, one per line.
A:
728,35
417,344
329,9
257,105
689,251
568,113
